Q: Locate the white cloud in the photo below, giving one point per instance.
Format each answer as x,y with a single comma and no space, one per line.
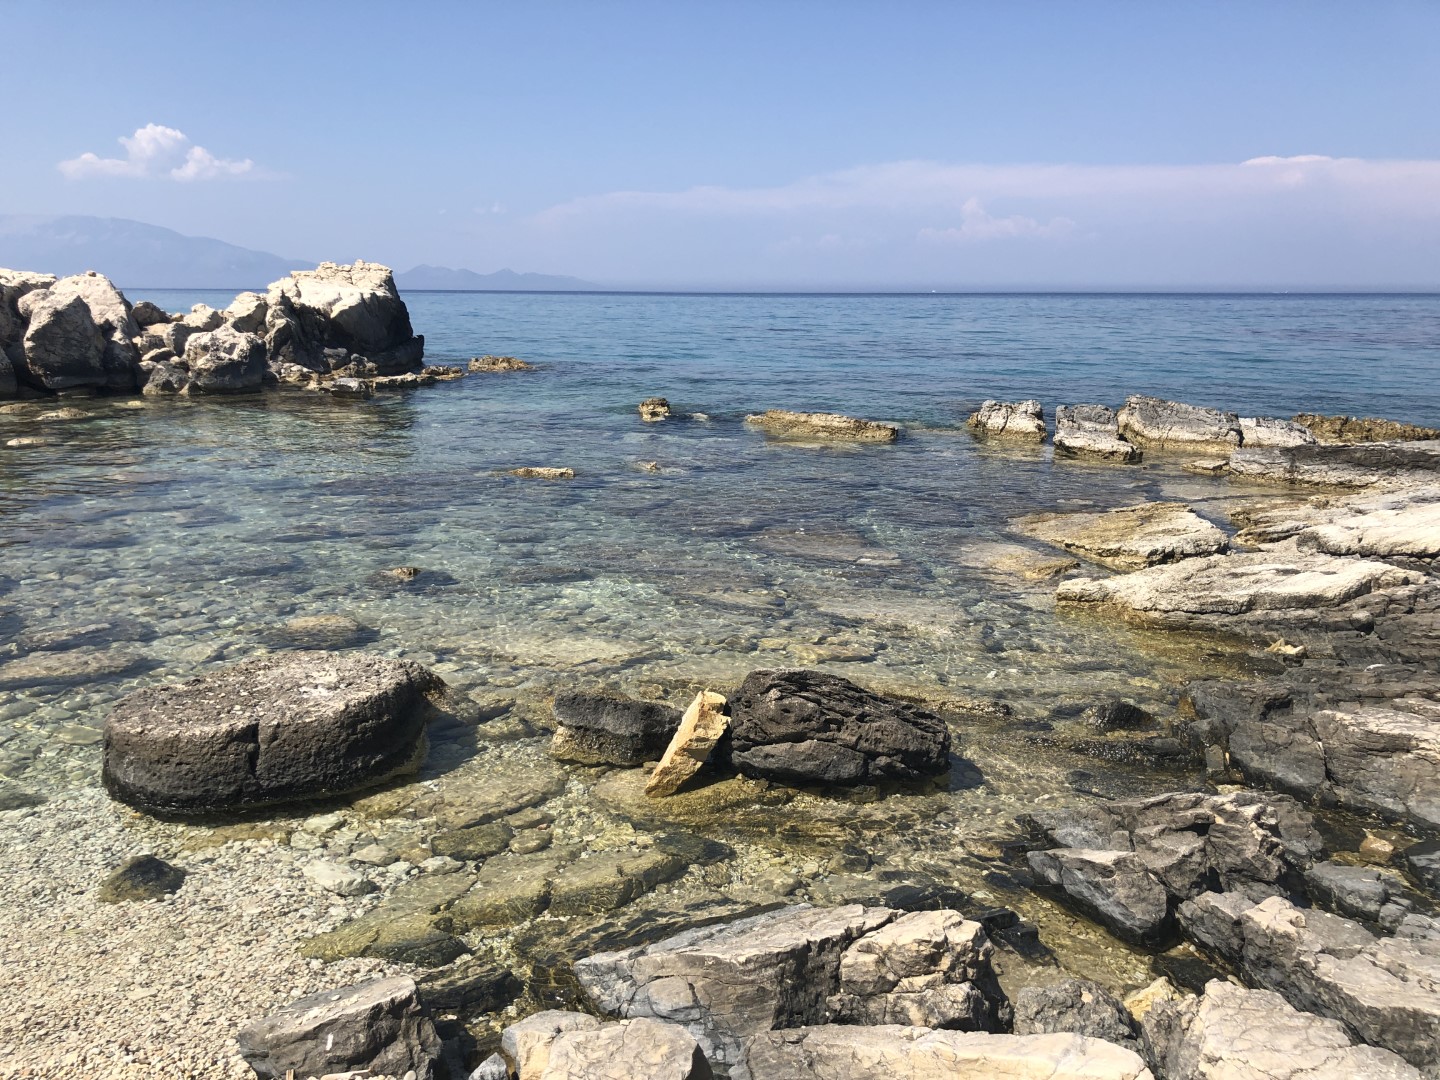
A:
978,224
158,152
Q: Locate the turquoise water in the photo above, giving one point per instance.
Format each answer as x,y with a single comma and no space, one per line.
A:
154,542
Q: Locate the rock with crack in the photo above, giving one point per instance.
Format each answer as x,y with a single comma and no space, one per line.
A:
1128,863
1173,425
1268,431
1369,465
1075,1006
558,1045
1386,990
224,361
1018,421
837,1052
825,427
701,729
341,315
1253,589
270,730
793,967
1129,538
377,1026
1092,431
79,334
1231,1033
801,726
1380,757
1388,526
611,729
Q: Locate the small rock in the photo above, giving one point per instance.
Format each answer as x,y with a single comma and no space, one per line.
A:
482,364
338,878
542,472
1207,466
653,409
1376,849
440,864
142,878
474,843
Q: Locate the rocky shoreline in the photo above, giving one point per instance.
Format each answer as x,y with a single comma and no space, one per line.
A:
383,872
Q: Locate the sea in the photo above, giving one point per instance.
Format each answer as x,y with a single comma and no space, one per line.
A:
155,543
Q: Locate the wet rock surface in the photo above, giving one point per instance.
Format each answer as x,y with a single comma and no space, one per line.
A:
802,426
277,728
801,726
142,878
1129,538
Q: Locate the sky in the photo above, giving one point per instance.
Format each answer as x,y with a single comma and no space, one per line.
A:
1150,144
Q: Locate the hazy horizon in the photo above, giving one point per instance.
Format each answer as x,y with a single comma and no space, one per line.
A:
834,148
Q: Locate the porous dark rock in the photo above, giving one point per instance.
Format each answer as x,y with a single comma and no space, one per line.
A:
802,726
269,730
611,729
143,877
379,1026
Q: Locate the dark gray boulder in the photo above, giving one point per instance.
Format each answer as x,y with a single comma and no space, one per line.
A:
269,730
378,1026
1423,862
142,878
1077,1006
802,726
611,729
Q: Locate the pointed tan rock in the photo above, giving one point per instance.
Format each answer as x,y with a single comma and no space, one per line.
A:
700,729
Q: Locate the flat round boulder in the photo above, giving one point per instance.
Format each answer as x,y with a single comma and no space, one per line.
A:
280,728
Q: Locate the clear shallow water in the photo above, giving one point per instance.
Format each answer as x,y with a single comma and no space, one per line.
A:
152,543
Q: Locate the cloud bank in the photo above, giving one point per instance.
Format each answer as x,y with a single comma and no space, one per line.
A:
158,152
1272,220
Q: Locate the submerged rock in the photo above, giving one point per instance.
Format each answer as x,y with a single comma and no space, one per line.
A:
1173,425
142,878
379,1027
542,472
1018,420
1232,1033
801,726
1131,537
611,729
1386,990
1075,1006
782,423
1092,431
268,730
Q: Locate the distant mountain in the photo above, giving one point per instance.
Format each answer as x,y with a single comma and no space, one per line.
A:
135,255
444,278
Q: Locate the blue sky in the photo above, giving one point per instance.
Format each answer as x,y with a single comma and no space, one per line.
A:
1066,143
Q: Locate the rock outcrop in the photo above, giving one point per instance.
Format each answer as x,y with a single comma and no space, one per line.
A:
1128,864
1231,1033
803,426
1092,431
1367,465
1269,588
887,1053
1386,990
337,317
79,335
1173,425
377,1026
224,361
611,729
1375,756
801,726
269,730
1351,429
1268,431
1020,421
1393,525
796,966
1129,538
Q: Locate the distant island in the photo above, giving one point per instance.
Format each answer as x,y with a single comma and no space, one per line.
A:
444,278
135,254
